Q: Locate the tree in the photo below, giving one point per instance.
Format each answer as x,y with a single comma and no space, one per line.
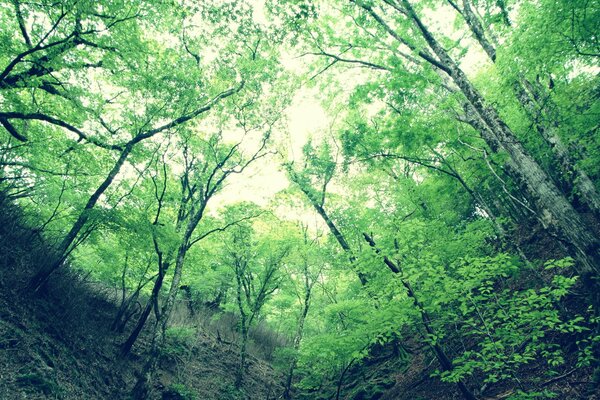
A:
309,273
256,267
535,99
431,334
402,29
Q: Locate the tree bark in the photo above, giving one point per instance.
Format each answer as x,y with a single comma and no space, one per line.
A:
556,210
580,184
477,28
576,178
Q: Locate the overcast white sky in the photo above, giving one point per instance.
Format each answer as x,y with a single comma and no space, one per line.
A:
306,118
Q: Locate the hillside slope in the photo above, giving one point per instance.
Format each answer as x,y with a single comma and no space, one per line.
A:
57,344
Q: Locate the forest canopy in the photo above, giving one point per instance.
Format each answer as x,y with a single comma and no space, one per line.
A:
354,177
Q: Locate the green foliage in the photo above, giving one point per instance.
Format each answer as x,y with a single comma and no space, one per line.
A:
178,391
522,395
179,341
511,326
129,116
230,392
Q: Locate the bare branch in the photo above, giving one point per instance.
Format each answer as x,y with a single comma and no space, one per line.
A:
223,228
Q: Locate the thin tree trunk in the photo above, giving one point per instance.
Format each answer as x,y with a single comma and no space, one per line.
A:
243,350
124,313
141,390
440,353
340,383
179,263
339,237
244,327
297,341
152,302
65,246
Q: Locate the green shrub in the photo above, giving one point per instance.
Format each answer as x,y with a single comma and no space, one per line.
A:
230,392
178,391
179,340
512,327
521,395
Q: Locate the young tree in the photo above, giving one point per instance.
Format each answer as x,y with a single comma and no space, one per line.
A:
308,272
256,263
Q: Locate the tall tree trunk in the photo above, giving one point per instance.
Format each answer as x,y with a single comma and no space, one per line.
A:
578,181
239,379
556,210
179,263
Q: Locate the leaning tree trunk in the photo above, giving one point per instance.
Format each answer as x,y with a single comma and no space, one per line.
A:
578,181
152,303
556,210
65,246
339,237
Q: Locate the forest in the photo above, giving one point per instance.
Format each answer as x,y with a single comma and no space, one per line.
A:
300,199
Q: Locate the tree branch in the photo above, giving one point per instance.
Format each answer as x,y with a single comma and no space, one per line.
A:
187,117
11,129
222,228
57,122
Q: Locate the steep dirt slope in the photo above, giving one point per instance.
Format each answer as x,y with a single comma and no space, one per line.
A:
57,345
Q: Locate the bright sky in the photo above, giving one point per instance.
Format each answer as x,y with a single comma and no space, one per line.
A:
306,118
263,179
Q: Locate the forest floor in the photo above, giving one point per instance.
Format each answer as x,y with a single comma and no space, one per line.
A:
52,349
57,344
